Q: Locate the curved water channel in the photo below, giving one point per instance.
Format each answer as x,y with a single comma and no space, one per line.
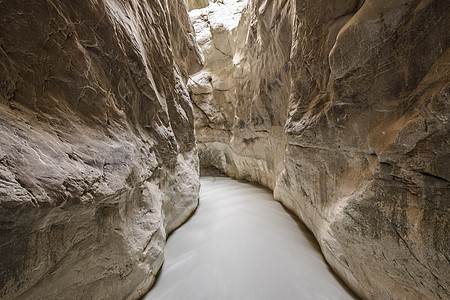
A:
241,244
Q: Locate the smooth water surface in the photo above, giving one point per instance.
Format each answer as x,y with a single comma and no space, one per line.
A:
241,244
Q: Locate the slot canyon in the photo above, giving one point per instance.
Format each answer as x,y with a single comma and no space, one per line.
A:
118,116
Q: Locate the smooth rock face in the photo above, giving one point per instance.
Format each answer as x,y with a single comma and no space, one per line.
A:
97,148
241,96
367,142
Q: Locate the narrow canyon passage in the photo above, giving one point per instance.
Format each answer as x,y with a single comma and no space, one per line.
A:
241,244
109,109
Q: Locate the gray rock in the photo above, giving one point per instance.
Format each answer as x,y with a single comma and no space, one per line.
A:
98,160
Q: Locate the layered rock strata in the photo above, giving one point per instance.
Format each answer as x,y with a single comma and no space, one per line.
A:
97,148
366,131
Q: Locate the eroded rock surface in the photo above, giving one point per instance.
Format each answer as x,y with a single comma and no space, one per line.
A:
241,96
195,4
367,142
97,148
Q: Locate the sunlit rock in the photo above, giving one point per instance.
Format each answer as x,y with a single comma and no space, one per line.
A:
240,97
195,4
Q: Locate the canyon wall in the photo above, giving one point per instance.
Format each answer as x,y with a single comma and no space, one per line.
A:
342,108
98,159
241,96
368,142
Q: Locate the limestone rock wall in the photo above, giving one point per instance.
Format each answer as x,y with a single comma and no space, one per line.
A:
97,148
241,96
356,95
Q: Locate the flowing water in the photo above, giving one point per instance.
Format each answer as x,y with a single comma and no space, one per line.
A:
241,244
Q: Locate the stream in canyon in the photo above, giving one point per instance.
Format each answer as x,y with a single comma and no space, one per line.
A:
241,244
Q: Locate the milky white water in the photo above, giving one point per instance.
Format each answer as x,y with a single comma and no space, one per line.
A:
241,244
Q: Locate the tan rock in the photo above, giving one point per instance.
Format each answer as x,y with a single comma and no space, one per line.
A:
242,93
367,139
195,4
366,144
97,149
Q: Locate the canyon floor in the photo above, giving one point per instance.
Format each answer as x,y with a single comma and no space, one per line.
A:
241,244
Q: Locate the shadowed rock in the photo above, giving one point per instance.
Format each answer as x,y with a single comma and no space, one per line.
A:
97,147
